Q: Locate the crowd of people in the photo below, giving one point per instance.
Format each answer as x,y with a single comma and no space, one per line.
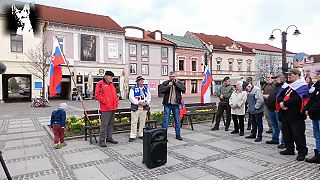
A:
285,104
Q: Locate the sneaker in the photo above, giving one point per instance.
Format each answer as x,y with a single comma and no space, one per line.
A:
259,139
272,142
287,152
281,146
269,131
179,138
111,141
56,146
63,144
251,136
234,132
102,143
131,139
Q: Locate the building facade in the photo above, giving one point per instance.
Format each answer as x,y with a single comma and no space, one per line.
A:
149,55
91,43
227,58
17,83
189,62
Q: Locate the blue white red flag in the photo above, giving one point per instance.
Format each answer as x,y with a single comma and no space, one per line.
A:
182,108
205,87
55,71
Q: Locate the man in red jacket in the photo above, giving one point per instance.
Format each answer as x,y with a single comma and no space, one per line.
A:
107,96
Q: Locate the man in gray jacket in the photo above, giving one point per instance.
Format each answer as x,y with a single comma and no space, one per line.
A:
255,108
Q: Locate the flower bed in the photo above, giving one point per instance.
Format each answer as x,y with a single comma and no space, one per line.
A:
75,125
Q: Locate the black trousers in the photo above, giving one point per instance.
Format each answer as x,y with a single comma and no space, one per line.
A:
240,124
223,106
294,132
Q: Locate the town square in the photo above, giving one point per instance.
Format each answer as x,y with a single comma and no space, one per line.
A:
159,90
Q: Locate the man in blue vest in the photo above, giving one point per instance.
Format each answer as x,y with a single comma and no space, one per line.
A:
140,98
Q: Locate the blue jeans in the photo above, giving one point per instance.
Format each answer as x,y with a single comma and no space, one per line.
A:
274,118
176,116
316,132
257,124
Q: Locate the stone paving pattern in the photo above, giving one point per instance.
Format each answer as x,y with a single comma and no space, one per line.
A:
202,155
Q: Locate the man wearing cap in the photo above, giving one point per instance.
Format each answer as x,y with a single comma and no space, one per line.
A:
172,90
106,94
140,98
292,100
224,94
312,110
273,113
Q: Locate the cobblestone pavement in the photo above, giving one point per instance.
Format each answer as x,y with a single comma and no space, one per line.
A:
203,154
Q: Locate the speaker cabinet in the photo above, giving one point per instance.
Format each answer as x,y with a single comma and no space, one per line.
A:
154,147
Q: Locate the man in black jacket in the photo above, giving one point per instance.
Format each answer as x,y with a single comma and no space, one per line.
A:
172,90
292,117
274,115
313,111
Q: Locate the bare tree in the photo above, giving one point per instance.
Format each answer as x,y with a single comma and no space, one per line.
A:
37,62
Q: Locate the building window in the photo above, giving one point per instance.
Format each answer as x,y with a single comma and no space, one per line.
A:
61,42
181,65
133,49
145,69
112,50
194,66
144,50
16,43
133,68
230,65
248,65
194,86
239,65
218,65
164,70
184,83
164,52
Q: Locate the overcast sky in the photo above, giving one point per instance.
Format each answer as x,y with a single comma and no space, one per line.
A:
241,20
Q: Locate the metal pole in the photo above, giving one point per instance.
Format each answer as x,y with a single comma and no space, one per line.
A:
4,166
284,53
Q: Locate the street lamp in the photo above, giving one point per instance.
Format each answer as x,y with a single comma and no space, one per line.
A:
284,45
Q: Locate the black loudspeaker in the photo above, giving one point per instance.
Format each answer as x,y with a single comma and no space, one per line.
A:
154,147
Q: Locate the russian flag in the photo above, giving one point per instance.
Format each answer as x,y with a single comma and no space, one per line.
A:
55,70
182,108
205,87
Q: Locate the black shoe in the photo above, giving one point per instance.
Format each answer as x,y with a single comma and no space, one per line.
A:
111,141
287,152
226,129
131,139
251,136
102,143
269,131
179,138
248,128
301,157
315,158
234,132
272,142
259,139
241,134
281,146
141,137
214,129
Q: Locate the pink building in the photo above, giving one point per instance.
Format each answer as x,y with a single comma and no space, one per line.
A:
189,62
312,64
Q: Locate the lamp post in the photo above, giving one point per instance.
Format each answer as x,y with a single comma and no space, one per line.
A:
284,45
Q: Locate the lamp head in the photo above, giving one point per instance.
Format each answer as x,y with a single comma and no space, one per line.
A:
296,32
271,38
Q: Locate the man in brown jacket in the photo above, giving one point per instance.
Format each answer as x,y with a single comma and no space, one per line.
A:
266,90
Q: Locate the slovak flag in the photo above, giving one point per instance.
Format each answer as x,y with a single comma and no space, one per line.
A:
55,70
205,87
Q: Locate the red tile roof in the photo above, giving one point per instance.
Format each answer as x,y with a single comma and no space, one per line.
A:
218,42
148,38
261,47
71,17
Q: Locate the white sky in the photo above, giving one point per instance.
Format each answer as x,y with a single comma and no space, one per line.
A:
242,20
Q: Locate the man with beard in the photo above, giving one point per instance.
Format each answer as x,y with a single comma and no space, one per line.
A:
291,101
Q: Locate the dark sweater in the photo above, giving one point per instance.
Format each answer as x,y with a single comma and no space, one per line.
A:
313,106
272,99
